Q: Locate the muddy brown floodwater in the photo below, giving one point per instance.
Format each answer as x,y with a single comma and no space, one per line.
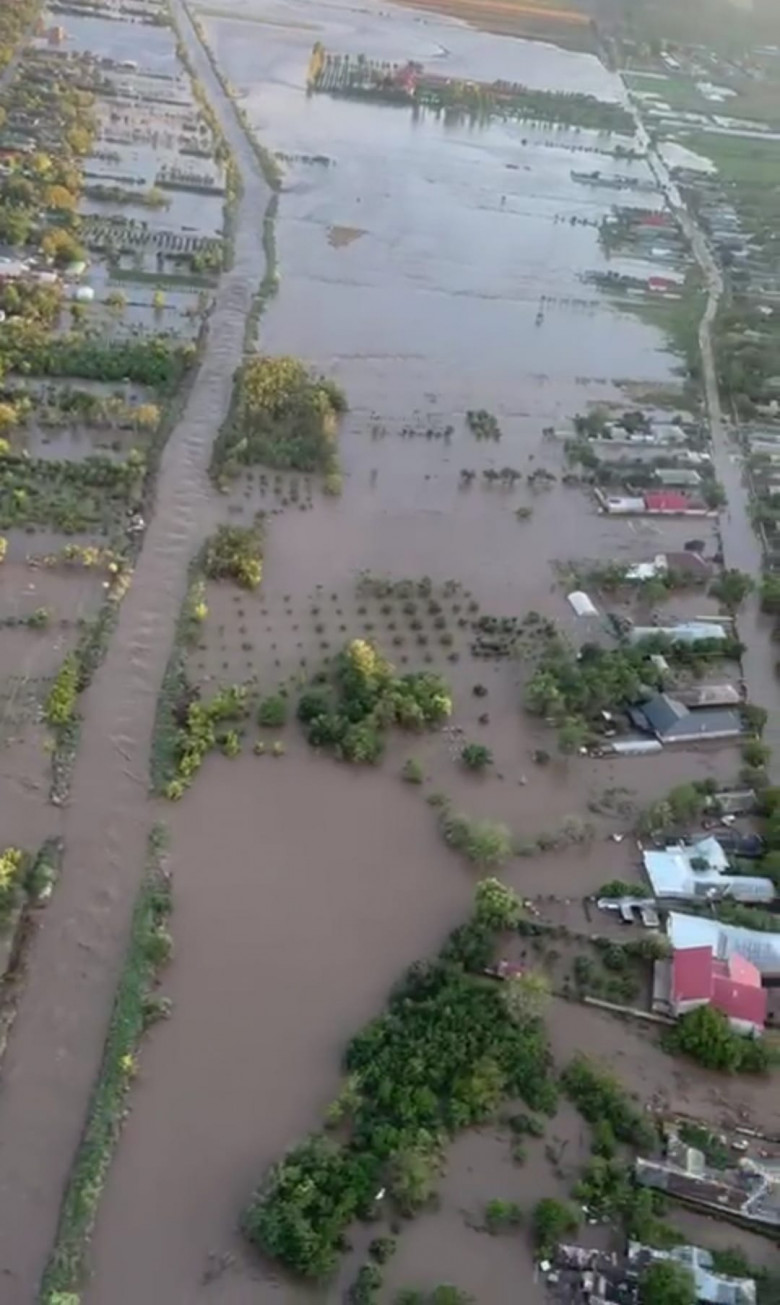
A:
54,1051
302,888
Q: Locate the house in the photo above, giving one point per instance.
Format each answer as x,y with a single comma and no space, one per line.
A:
731,986
710,695
748,1192
671,502
761,948
700,872
678,477
685,632
672,722
711,1288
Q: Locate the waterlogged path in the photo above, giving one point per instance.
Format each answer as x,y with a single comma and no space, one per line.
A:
54,1052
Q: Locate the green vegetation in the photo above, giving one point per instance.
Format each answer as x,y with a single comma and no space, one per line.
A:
682,807
443,1056
552,1221
598,1096
483,424
485,842
667,1283
717,1153
272,711
412,771
281,417
135,1007
198,735
60,706
235,553
732,587
350,712
475,756
28,348
704,1034
94,494
502,1216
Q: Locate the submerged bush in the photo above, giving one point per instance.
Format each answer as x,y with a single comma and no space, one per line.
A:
364,698
60,706
235,553
272,712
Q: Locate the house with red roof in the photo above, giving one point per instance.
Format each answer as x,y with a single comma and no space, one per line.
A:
733,986
674,503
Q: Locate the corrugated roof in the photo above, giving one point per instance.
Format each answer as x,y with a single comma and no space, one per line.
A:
762,949
711,1288
697,976
667,501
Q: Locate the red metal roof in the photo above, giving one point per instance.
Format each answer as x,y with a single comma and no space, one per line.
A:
733,986
667,500
692,974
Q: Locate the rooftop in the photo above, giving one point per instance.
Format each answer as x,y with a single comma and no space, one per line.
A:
732,986
711,1288
700,871
726,940
673,722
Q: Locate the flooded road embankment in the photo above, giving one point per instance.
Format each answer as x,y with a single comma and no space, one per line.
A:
54,1052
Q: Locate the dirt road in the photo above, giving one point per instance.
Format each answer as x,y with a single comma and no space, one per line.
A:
54,1052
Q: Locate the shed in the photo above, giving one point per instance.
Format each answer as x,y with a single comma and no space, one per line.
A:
581,603
678,476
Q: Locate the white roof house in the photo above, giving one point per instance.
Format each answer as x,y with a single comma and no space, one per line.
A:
581,603
726,940
672,873
685,632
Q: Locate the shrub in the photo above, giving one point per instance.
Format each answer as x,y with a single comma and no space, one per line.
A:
599,1096
367,1284
551,1221
484,842
502,1215
272,711
667,1283
60,706
412,771
285,418
235,553
755,753
705,1035
497,907
475,756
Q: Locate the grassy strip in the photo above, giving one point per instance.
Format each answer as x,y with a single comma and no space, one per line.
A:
165,735
134,1010
163,280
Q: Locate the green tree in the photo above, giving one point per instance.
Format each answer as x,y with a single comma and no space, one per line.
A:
552,1221
732,587
525,995
475,756
705,1035
770,593
272,711
497,907
667,1283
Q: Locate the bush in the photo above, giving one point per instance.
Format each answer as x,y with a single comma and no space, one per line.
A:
502,1215
199,735
272,711
599,1096
497,907
60,706
412,771
475,756
235,553
667,1283
367,1285
705,1035
755,753
552,1221
486,843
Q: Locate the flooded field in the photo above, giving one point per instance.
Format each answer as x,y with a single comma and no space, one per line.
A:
431,268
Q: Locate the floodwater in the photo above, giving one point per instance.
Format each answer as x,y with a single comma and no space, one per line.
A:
302,888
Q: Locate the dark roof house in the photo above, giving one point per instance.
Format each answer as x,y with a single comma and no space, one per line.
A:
672,722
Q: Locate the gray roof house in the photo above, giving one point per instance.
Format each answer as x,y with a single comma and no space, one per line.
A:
672,722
